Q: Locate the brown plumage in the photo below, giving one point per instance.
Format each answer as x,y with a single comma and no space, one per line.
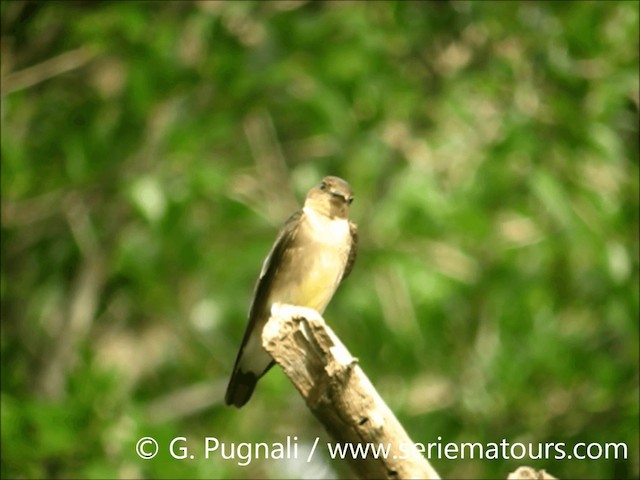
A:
313,253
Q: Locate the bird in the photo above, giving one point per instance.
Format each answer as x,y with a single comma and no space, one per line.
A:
313,253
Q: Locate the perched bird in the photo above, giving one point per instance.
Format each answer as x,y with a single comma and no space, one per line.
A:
313,253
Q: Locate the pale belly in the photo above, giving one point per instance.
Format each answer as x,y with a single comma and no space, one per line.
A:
312,282
308,275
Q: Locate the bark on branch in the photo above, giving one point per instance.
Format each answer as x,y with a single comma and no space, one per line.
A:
341,396
339,393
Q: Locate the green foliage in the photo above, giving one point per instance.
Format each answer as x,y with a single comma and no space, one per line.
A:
151,150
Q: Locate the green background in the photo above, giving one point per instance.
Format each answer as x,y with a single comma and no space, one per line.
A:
150,152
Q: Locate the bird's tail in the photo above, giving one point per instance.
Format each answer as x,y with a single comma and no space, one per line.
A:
241,387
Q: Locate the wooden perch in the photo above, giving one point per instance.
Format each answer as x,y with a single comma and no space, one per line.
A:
341,396
339,393
529,473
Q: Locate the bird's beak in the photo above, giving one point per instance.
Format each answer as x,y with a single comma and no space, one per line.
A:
348,199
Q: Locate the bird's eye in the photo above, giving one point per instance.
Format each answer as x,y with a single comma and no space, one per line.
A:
323,186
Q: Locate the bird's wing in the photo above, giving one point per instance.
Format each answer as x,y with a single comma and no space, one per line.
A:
242,382
286,236
353,251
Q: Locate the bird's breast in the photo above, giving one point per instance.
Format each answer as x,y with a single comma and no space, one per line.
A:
313,267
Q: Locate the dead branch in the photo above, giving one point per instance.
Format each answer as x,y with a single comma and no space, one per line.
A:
339,393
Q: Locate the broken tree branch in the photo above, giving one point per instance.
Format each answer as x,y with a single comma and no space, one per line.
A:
339,393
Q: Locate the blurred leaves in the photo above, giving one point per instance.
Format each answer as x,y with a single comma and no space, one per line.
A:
150,151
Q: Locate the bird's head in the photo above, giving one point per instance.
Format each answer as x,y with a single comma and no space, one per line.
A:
331,197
